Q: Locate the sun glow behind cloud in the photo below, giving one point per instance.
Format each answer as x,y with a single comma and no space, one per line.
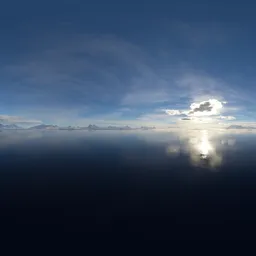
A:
206,108
204,112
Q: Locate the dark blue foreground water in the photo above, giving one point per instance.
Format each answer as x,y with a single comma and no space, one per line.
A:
153,185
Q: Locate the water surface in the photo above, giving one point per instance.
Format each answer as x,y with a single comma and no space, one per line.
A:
154,184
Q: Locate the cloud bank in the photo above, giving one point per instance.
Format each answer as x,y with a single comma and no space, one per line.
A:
173,112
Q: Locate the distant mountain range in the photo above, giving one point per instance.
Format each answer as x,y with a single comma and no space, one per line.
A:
95,127
44,127
239,127
148,128
91,127
9,127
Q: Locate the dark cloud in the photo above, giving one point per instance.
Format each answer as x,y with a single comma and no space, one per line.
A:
209,107
206,106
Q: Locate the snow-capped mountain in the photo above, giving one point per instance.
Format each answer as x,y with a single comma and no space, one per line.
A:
44,126
240,127
9,127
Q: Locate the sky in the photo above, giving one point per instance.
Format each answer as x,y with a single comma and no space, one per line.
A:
70,62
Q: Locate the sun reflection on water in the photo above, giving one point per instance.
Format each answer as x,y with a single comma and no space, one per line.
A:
204,146
200,146
203,153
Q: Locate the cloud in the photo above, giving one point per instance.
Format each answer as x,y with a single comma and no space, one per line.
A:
146,96
229,118
202,34
152,117
200,85
201,112
211,107
88,68
17,120
206,108
173,112
186,119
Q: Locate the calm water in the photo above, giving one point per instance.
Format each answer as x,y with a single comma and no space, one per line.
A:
150,184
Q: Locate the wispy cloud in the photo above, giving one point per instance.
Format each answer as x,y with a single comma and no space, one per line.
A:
203,34
64,76
145,97
7,119
154,117
86,68
173,112
201,86
230,118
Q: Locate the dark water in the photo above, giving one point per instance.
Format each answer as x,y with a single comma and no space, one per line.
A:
151,185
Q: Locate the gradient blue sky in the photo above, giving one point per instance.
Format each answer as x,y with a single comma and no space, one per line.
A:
125,62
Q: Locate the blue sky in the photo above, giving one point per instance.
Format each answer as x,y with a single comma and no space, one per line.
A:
126,62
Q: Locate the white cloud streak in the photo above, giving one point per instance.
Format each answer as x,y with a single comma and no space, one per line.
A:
173,112
17,120
229,118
